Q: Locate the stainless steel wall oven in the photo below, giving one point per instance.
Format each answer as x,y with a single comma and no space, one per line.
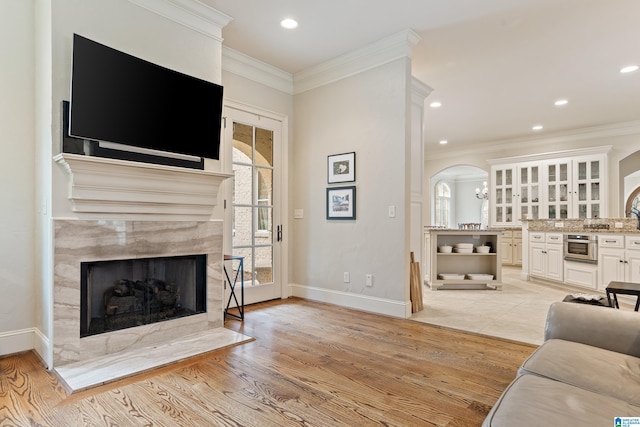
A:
581,248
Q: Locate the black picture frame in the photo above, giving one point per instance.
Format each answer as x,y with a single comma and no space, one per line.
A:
341,203
341,168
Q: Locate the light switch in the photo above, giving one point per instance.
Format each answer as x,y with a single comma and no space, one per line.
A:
392,211
298,213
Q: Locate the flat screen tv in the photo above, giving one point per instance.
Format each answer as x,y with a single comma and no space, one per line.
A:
118,98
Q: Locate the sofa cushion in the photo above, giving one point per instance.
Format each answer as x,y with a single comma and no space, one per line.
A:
590,368
534,401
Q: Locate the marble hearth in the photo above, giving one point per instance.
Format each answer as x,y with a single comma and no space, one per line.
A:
77,241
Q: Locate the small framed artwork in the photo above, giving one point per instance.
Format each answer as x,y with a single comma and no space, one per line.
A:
341,202
341,168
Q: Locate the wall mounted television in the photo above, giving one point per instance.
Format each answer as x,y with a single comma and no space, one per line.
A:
124,100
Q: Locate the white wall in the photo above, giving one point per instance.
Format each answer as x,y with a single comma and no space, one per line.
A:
367,114
468,207
17,175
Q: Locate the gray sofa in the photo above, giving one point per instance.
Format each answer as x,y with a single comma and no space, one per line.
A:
587,371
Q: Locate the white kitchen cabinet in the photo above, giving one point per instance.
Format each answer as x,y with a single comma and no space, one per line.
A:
546,257
618,259
570,185
512,247
587,192
557,184
503,194
581,274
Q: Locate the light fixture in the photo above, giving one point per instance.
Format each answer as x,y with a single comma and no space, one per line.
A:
629,69
435,104
289,23
537,127
560,102
484,194
443,141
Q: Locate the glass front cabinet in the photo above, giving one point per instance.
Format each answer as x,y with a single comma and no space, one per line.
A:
503,195
549,188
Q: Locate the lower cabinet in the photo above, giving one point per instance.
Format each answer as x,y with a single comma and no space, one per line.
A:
546,256
618,259
581,274
512,247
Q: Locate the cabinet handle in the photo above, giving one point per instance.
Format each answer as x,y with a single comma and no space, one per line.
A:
610,241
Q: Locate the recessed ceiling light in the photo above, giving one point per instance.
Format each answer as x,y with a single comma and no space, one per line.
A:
289,23
435,104
443,142
537,127
629,69
560,102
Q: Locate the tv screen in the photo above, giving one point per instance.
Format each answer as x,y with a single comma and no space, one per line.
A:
118,98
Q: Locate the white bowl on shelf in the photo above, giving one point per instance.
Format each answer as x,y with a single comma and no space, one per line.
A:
483,249
451,276
478,276
463,250
445,249
464,245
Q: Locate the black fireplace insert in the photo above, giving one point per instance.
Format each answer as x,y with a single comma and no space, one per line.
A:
120,294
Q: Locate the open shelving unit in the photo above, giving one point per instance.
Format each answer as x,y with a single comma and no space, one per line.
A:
464,264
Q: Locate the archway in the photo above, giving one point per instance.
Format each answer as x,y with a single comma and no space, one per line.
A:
464,207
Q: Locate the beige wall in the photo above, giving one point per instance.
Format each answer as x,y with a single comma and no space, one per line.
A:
17,175
366,113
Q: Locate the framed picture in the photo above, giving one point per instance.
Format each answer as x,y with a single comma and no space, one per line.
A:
341,168
341,202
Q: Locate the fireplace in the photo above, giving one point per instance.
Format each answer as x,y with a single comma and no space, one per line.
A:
121,294
161,255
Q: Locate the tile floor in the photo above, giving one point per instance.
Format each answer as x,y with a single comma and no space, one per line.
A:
517,312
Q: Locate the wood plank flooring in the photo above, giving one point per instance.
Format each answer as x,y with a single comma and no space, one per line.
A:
311,364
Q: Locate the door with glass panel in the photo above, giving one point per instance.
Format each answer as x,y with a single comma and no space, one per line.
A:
504,194
256,229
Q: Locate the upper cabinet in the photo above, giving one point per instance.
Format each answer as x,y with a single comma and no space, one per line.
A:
571,184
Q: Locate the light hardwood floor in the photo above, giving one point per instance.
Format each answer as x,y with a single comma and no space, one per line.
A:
311,364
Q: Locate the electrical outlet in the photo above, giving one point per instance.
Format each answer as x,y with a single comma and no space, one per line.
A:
618,225
345,277
369,280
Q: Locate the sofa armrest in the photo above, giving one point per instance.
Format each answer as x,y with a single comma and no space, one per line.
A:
604,327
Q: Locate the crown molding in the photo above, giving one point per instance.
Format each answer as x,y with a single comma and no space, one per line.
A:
420,89
245,66
580,134
552,155
394,47
190,13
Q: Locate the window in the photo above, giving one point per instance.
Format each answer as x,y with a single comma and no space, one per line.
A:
442,204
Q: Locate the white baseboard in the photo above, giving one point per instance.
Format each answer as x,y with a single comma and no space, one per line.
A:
16,341
355,301
42,346
24,340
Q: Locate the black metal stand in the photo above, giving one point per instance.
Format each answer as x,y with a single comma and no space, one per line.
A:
232,286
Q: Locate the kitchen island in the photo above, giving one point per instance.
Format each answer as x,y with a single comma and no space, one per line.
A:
464,268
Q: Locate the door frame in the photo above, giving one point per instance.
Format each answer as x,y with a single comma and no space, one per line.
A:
283,183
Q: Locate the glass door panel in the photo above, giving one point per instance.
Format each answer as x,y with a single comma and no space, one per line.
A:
252,234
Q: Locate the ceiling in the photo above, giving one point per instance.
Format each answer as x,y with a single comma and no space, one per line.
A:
497,66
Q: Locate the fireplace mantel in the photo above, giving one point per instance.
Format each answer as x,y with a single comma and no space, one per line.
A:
109,186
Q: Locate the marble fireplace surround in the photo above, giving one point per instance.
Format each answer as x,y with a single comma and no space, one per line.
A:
77,241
